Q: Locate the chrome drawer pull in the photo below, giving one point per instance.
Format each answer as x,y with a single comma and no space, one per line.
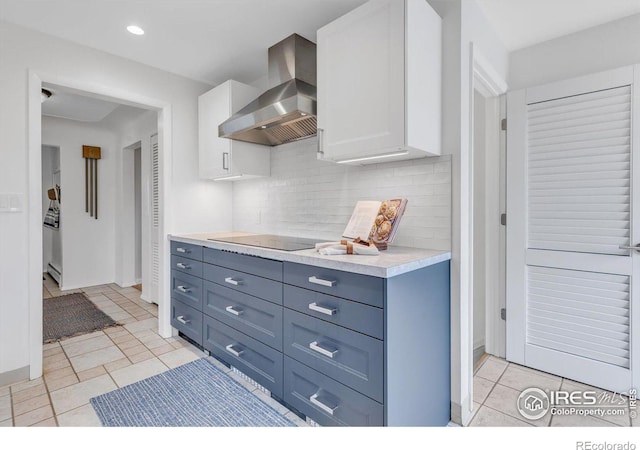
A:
230,280
233,351
321,282
233,310
183,250
181,320
314,307
314,399
323,351
183,266
184,289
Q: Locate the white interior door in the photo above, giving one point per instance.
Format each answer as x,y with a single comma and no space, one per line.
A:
154,291
572,301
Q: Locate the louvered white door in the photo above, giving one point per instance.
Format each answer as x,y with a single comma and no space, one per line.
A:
572,300
155,220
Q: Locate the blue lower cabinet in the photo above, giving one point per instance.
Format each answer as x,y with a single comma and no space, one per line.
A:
187,289
352,358
251,357
187,320
260,319
326,401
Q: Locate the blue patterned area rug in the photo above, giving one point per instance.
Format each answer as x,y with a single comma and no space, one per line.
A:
197,394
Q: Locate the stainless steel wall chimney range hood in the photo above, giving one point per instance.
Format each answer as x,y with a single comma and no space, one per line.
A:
287,111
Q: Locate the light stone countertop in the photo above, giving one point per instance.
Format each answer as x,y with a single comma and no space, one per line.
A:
391,262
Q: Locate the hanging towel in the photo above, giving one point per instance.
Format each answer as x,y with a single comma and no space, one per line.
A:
52,217
345,248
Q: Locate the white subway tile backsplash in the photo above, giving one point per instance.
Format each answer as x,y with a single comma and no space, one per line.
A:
307,197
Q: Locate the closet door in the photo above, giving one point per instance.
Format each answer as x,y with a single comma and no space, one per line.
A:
572,260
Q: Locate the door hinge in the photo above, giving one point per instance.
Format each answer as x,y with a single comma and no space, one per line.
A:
503,313
503,219
503,124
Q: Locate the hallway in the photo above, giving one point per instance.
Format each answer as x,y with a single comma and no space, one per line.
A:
82,367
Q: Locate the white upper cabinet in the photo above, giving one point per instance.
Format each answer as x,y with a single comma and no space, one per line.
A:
221,158
379,83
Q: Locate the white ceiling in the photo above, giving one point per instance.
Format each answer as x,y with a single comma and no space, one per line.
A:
205,40
215,40
521,23
68,105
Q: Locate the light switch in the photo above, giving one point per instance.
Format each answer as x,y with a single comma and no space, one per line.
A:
10,203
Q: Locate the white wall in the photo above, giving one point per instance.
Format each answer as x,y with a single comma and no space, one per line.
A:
133,126
88,245
310,198
60,62
464,25
608,46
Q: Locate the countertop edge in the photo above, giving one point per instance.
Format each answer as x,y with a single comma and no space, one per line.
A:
317,260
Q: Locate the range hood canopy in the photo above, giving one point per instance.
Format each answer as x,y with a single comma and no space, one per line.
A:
287,111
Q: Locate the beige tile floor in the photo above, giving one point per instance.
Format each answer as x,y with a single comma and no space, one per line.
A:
82,367
498,383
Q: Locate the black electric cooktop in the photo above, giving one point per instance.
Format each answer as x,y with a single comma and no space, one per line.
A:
287,243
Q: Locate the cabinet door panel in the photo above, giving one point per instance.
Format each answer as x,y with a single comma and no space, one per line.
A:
351,358
258,318
186,265
355,316
190,251
256,360
361,88
326,401
187,289
353,286
187,320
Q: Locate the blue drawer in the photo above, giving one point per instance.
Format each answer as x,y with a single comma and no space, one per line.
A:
255,317
262,267
253,358
240,281
187,320
349,314
346,356
187,250
186,265
353,286
326,401
187,289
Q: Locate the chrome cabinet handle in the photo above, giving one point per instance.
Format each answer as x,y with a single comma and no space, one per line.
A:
225,161
233,310
320,281
320,151
184,289
230,280
233,351
183,266
315,307
323,351
182,320
183,250
314,399
630,247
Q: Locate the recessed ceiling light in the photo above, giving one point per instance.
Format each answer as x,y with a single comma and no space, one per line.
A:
135,29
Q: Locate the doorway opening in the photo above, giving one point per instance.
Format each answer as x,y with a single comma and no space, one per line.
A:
486,332
158,114
51,200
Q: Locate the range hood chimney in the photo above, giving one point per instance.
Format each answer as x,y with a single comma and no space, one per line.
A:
287,111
